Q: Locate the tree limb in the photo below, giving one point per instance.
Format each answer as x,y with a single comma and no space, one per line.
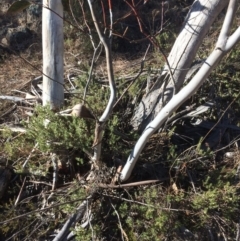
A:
177,100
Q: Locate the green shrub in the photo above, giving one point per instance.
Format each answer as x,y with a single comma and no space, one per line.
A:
59,133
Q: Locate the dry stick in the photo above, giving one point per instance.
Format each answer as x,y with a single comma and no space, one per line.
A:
35,230
191,180
132,81
170,72
133,184
85,22
104,15
119,221
43,209
20,193
213,128
39,182
69,80
94,58
70,6
12,108
130,78
129,13
15,234
107,112
178,116
111,19
29,156
133,7
238,232
91,71
221,228
214,152
88,219
55,170
145,204
72,220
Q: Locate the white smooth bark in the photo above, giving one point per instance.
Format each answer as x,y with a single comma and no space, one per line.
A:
198,22
108,110
52,43
186,92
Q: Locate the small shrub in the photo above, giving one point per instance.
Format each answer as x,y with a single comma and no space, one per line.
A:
54,132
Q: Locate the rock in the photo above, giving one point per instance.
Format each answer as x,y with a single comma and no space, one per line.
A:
19,31
19,38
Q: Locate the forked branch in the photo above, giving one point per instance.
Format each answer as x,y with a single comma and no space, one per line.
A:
106,114
189,90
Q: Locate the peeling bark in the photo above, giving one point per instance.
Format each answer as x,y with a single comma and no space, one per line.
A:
198,22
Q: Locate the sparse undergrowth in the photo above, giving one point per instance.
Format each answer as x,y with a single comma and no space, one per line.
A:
198,198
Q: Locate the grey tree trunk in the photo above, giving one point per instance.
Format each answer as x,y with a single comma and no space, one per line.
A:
224,44
197,24
52,43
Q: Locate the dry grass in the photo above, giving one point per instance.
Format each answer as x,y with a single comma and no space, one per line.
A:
17,70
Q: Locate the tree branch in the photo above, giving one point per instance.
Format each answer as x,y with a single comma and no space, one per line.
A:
176,101
106,114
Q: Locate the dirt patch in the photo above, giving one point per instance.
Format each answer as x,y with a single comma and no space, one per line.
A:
17,70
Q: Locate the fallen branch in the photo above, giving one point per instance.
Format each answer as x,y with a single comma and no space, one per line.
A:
71,222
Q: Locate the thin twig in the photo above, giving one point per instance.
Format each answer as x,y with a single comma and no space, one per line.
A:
132,81
41,210
145,204
29,156
111,20
15,234
91,71
20,192
238,232
69,80
55,170
191,181
88,219
119,221
73,15
12,108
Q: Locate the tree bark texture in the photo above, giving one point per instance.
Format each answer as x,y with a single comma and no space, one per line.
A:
198,22
224,44
52,43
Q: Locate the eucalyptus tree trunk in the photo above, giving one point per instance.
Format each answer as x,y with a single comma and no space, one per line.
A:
52,43
197,23
184,54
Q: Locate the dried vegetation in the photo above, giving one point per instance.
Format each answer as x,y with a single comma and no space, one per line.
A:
45,167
